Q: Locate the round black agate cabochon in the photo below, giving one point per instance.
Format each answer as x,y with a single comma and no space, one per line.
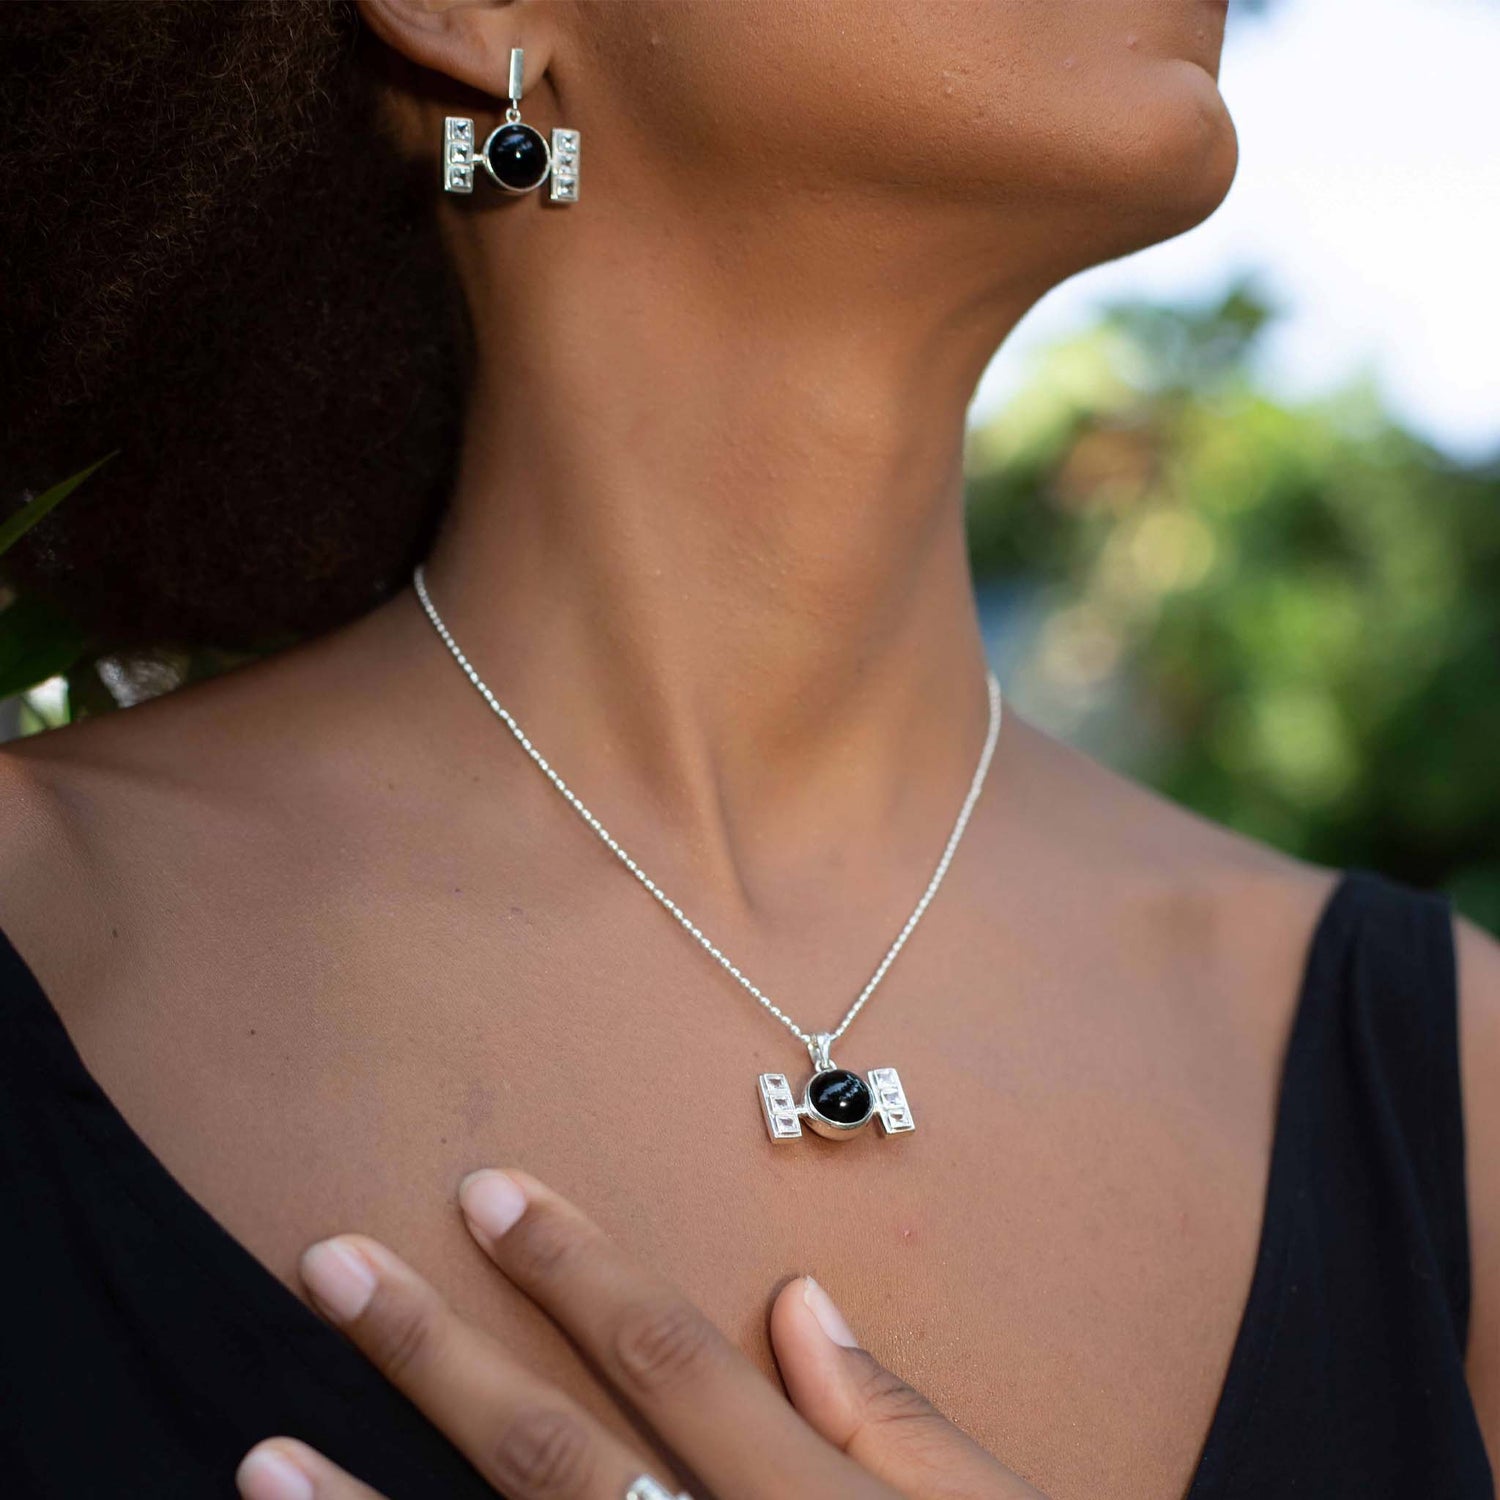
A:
517,155
840,1096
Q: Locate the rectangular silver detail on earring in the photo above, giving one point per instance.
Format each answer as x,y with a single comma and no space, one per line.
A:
458,155
565,150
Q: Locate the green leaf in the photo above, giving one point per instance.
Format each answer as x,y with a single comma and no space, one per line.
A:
13,528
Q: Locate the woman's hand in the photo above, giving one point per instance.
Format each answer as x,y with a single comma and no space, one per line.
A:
852,1430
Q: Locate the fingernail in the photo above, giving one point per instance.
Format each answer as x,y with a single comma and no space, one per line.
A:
491,1200
266,1474
339,1277
830,1319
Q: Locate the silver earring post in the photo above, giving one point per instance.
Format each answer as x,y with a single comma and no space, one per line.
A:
517,81
515,155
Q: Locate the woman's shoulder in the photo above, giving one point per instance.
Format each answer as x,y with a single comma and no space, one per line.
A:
52,876
85,805
96,816
1221,904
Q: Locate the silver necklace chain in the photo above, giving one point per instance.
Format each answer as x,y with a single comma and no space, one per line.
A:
809,1040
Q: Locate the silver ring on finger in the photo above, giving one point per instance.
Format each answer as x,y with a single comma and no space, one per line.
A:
646,1488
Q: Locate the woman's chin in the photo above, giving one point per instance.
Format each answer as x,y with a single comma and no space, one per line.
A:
1210,154
1174,165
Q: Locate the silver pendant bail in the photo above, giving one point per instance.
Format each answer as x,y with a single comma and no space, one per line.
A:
820,1046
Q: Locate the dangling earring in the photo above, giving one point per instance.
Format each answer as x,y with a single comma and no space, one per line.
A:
516,156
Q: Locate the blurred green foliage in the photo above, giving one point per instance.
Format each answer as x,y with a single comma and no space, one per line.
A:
1285,617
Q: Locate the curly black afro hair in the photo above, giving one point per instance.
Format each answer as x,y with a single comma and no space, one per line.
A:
216,262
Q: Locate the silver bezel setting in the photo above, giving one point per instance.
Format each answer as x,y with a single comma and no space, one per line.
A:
484,157
833,1130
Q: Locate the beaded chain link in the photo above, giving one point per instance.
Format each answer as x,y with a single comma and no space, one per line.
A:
809,1040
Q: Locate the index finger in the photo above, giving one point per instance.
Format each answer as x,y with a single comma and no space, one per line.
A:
696,1389
523,1435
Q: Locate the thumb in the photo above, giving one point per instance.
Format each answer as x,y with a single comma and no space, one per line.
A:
853,1401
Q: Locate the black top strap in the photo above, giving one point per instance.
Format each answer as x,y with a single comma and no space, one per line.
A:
1403,985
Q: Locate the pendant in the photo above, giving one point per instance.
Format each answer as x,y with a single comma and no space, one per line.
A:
836,1103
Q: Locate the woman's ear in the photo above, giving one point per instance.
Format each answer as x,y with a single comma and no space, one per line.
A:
468,41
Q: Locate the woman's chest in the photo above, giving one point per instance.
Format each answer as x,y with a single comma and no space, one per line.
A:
1058,1255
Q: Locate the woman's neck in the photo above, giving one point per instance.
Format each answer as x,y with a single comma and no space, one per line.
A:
707,544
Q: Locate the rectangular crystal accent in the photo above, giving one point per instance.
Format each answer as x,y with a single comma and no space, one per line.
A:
891,1106
458,155
778,1108
564,182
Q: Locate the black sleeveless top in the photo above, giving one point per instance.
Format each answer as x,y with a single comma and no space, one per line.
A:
143,1349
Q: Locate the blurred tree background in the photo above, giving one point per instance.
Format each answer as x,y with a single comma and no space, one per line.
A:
1286,617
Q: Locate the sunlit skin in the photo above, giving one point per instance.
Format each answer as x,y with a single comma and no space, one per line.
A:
329,940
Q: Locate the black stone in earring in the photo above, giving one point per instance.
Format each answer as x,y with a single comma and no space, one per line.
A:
515,155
